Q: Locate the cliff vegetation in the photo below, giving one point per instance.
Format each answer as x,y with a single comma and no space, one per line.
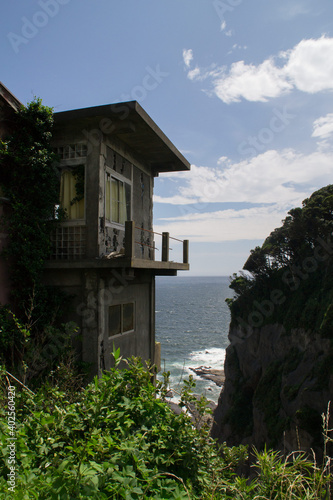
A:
279,365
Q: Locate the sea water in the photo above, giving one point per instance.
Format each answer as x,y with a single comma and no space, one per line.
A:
192,323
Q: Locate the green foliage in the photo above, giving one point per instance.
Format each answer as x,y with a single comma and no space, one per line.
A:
47,355
118,439
296,260
79,173
30,181
115,439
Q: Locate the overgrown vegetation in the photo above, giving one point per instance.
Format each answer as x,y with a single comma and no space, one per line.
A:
29,180
293,270
119,439
33,342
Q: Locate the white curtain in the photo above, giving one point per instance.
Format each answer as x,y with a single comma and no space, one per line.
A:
67,194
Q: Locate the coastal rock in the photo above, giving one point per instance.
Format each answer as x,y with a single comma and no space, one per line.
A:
277,386
208,373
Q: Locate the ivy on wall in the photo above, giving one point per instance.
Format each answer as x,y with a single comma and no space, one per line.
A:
30,180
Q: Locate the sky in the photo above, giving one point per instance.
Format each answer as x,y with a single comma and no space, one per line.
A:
242,88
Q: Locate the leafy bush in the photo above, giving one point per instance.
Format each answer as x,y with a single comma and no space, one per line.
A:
115,439
119,439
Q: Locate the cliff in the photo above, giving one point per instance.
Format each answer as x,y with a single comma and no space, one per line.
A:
279,364
277,386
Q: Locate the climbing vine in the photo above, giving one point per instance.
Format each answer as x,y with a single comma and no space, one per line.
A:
78,173
30,181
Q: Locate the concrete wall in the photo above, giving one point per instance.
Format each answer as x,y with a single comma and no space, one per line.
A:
110,154
92,292
123,165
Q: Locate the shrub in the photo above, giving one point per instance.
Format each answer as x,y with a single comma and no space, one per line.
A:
119,439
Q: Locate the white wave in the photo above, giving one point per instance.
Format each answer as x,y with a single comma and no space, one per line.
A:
213,358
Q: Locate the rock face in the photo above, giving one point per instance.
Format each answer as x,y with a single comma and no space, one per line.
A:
277,386
208,373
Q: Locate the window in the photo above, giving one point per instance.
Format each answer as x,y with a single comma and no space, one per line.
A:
72,192
121,318
72,151
117,200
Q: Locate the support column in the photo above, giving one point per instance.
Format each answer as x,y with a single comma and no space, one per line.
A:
129,238
185,251
165,247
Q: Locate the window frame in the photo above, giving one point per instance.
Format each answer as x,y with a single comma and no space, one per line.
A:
122,331
125,181
74,151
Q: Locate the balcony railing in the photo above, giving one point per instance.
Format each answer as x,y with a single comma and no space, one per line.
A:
68,242
130,242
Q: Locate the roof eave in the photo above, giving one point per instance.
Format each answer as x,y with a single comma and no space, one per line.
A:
122,113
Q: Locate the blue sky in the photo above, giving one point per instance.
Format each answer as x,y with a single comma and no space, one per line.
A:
242,88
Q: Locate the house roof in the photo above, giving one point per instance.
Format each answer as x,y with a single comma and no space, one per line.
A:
9,98
129,122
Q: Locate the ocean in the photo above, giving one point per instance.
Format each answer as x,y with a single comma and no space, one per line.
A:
192,323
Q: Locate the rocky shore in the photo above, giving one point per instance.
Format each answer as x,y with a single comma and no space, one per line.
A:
208,373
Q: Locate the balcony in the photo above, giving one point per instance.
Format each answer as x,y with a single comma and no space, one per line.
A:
69,242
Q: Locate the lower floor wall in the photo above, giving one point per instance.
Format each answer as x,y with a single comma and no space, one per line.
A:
113,309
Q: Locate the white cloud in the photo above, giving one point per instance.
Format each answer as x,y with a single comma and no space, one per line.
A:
227,225
174,200
323,126
276,181
187,57
194,73
310,65
285,178
307,67
254,83
292,10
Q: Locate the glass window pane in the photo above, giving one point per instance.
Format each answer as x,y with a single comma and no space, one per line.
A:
114,320
121,202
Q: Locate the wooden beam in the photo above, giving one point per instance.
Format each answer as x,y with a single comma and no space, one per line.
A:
165,247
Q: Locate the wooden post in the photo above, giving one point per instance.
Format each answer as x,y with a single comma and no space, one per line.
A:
185,251
129,238
165,247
